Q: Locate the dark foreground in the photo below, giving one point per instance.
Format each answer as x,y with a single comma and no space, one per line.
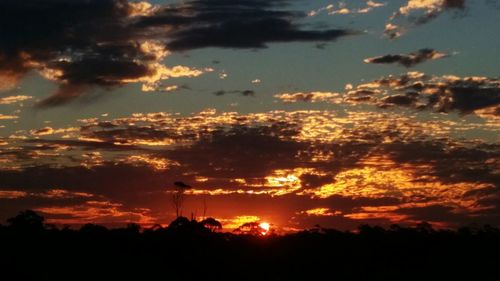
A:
30,250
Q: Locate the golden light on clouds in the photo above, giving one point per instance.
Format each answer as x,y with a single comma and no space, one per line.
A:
321,212
381,177
159,164
429,6
142,8
237,221
8,117
12,194
327,155
14,99
291,142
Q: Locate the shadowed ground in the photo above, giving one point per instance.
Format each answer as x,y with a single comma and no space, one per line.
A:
191,250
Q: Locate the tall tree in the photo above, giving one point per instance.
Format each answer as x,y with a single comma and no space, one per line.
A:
178,196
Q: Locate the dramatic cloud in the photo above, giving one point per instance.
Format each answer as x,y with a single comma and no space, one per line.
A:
408,60
418,12
109,43
438,93
234,24
340,168
444,94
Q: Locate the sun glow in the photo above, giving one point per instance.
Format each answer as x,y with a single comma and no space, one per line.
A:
265,227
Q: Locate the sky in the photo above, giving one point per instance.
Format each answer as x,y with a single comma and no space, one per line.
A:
294,112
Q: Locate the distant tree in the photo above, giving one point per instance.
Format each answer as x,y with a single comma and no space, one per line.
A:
369,230
156,228
133,228
179,222
212,224
178,196
93,229
188,227
250,228
425,227
26,220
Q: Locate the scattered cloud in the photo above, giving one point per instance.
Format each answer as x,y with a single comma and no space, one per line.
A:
246,93
223,75
341,9
443,94
340,168
12,194
418,12
408,60
14,99
166,89
321,212
310,97
50,131
8,117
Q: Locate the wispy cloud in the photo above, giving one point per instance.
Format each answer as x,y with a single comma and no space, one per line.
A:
14,99
418,12
341,8
408,60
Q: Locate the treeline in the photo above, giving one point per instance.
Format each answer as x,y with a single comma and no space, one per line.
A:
193,250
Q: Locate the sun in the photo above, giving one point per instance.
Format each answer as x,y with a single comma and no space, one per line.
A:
265,227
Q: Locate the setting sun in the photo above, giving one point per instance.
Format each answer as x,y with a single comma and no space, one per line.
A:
265,227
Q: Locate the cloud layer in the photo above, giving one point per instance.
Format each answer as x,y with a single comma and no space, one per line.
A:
292,168
415,90
109,43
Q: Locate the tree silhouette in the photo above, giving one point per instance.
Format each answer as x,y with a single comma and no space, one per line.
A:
178,196
179,222
212,224
250,228
27,220
205,208
190,250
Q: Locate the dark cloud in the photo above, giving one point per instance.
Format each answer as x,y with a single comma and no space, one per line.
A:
240,153
77,43
246,93
457,4
408,60
235,24
448,163
442,94
84,44
435,213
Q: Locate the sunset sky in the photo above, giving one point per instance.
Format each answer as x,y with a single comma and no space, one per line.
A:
293,112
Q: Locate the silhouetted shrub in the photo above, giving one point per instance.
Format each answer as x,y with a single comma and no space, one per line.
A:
192,250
